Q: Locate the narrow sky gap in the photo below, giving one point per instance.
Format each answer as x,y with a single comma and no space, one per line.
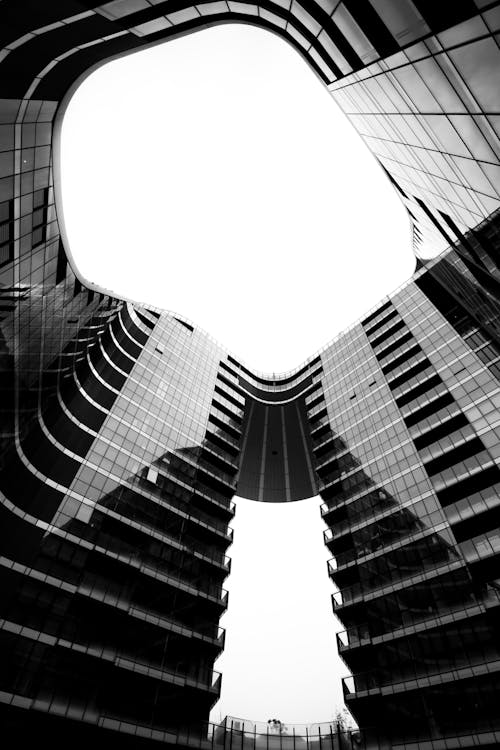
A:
280,659
232,191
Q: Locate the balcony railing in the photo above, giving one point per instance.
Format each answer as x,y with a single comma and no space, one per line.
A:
358,635
244,734
445,669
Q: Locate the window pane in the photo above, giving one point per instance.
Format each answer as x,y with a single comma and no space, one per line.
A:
479,63
402,19
354,35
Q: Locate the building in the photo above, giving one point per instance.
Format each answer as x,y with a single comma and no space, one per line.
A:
126,431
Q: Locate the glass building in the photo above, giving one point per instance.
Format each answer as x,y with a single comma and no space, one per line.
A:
126,431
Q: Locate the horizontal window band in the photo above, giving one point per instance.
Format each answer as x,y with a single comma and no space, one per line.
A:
27,491
97,390
82,409
106,371
122,328
115,356
46,458
64,430
137,333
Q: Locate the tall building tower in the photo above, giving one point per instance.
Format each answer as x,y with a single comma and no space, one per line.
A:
126,431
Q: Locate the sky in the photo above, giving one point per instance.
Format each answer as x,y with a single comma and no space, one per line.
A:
280,659
231,190
233,174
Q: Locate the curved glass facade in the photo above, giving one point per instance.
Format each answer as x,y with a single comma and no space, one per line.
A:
126,431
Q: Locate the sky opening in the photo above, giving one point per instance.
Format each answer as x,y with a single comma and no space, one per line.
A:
280,658
224,184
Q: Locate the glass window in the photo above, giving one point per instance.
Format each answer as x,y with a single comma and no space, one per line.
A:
305,18
494,121
463,32
473,137
474,175
320,62
479,63
443,166
181,16
150,27
276,20
354,35
416,90
334,52
355,98
6,163
493,172
328,5
26,205
416,51
6,137
417,124
37,237
440,85
119,8
492,18
43,133
390,85
447,137
28,135
208,9
8,110
42,156
402,19
39,198
298,36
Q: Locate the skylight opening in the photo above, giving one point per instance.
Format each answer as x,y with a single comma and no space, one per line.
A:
232,191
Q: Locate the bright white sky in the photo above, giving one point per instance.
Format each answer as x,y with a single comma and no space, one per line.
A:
280,659
224,184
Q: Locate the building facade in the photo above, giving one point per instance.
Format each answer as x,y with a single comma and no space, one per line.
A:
126,431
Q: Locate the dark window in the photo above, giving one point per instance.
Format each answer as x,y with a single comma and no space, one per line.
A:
6,232
186,325
40,207
62,263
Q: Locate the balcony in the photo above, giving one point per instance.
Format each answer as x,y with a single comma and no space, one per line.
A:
317,410
337,446
382,321
354,637
234,413
221,436
394,325
183,508
340,528
196,676
464,471
419,675
220,458
394,346
361,683
245,734
357,593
